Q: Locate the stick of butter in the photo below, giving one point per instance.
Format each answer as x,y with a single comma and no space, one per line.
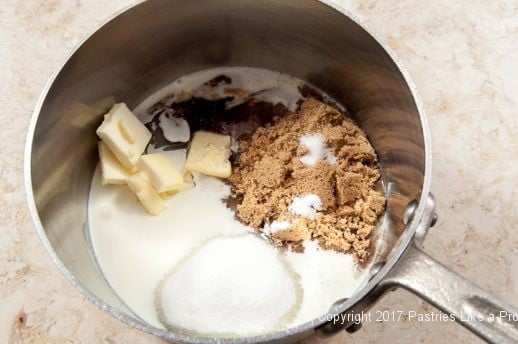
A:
124,134
112,170
146,193
209,154
162,173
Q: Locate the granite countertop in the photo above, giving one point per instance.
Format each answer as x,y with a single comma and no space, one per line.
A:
463,58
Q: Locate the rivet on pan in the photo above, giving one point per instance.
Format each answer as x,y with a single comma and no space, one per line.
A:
408,215
354,327
328,329
375,269
435,217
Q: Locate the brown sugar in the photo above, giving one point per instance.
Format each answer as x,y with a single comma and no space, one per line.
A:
269,175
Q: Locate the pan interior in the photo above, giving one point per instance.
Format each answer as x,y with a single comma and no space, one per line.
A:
128,242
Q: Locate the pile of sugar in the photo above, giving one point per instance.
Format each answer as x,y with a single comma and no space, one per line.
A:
306,206
317,149
315,169
230,286
276,226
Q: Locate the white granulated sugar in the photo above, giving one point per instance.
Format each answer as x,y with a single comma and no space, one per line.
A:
307,206
231,285
276,226
317,149
174,129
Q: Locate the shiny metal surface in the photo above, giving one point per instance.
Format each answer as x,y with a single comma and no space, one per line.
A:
477,310
151,44
482,313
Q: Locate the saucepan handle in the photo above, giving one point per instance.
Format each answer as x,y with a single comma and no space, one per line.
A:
479,311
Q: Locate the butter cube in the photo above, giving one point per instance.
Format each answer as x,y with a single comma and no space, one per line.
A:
186,184
146,193
124,135
162,173
209,154
112,170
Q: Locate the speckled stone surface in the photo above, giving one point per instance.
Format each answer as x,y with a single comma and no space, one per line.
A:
463,58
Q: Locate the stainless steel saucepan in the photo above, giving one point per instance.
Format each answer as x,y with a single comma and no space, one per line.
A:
147,46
